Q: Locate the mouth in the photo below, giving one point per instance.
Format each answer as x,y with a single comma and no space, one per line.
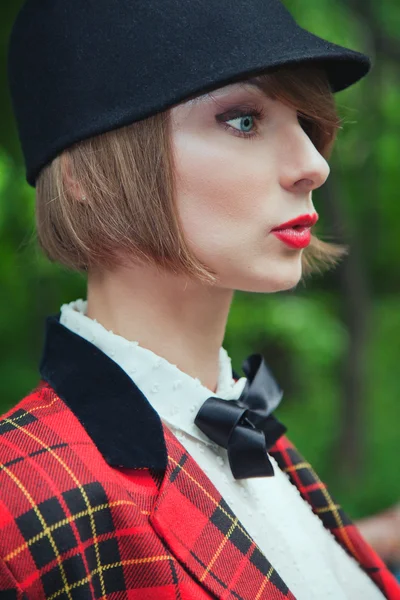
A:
297,232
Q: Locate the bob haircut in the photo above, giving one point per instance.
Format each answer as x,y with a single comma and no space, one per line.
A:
117,204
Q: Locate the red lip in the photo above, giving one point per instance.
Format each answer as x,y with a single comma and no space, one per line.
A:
296,233
302,221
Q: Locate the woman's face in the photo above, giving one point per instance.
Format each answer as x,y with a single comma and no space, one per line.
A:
244,166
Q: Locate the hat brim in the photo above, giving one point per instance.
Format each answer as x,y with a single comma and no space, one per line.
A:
343,67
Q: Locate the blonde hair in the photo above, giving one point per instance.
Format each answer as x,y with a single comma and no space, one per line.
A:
127,178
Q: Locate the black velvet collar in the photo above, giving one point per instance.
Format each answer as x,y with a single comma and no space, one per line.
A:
116,415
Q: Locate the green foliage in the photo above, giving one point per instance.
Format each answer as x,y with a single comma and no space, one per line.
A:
305,335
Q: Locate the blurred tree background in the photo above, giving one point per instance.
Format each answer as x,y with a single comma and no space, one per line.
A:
334,342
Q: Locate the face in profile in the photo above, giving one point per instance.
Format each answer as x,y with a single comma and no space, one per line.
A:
244,166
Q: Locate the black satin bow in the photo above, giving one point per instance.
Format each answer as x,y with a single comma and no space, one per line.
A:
246,427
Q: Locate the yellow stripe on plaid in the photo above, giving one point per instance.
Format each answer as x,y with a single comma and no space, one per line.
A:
83,513
264,583
219,549
235,523
81,489
34,408
218,552
46,530
213,500
121,563
326,509
330,505
300,465
2,422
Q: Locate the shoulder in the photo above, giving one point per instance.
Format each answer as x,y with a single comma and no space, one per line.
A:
34,428
57,493
32,443
29,431
28,424
45,456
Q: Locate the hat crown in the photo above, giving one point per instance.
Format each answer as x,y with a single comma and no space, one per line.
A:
82,67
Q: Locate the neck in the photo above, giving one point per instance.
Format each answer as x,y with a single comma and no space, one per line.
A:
181,320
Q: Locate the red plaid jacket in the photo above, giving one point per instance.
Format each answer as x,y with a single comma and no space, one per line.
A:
99,500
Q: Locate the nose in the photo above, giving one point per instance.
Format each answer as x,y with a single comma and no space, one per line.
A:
304,169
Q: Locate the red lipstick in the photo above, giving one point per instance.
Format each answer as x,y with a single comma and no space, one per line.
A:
296,233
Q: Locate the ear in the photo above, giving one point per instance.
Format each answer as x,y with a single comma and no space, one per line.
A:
69,181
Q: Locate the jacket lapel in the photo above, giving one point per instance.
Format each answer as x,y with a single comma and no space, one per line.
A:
204,534
315,492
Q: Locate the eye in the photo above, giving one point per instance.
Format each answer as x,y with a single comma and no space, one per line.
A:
244,123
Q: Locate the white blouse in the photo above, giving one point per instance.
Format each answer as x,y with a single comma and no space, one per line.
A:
305,554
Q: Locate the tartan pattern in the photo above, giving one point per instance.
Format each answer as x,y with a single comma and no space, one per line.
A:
207,537
315,492
72,527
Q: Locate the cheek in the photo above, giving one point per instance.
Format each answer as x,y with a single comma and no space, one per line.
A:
220,186
228,197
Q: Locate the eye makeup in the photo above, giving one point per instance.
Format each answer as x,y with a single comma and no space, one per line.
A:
237,109
253,114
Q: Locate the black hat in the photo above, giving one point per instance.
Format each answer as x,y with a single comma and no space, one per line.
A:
78,68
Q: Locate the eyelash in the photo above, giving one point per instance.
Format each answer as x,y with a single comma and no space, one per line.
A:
257,112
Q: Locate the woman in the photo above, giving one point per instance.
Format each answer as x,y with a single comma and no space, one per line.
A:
174,148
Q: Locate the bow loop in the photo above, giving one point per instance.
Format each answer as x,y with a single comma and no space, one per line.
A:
217,418
257,463
262,393
246,427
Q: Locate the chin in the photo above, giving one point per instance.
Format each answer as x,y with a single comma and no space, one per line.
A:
280,276
272,286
